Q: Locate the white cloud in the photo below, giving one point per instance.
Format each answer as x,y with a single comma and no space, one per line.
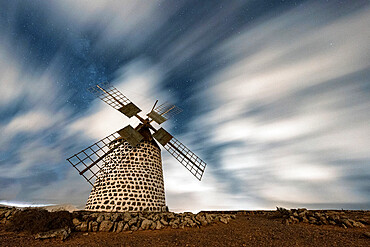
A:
139,82
275,61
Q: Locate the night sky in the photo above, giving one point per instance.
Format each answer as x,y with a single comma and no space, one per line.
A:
275,97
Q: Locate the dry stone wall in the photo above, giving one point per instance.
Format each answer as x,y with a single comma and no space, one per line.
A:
131,180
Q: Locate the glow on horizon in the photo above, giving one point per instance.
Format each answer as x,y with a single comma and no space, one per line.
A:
23,204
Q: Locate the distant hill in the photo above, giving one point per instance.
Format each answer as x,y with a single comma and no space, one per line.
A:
51,208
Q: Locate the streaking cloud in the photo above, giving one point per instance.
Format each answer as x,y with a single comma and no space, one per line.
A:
275,97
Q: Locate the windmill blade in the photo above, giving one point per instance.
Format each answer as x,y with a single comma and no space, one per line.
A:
110,95
184,155
87,161
163,112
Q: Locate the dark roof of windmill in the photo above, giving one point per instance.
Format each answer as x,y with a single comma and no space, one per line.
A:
145,132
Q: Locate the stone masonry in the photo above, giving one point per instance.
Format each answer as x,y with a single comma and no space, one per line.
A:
131,180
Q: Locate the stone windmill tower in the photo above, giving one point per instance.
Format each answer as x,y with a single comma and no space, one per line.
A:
125,168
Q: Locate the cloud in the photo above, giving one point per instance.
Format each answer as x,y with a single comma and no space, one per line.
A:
287,96
275,102
139,82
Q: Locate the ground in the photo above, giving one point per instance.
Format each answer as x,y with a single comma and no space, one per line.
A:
245,230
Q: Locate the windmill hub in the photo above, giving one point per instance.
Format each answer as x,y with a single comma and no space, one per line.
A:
125,168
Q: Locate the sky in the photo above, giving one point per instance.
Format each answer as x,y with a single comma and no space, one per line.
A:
275,97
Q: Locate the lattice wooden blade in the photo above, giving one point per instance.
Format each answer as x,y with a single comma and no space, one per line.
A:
87,162
186,157
110,95
167,110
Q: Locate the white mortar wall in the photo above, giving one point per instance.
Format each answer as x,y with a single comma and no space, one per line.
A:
132,180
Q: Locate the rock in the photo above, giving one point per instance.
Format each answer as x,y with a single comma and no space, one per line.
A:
115,217
126,227
94,227
114,228
336,218
62,234
305,220
302,214
363,221
100,218
286,222
134,228
182,225
126,217
199,216
156,218
76,222
176,221
145,225
120,226
233,216
133,221
323,220
224,220
202,220
312,220
159,226
174,226
163,222
367,234
346,222
208,218
153,226
82,227
358,224
8,214
106,226
283,211
301,210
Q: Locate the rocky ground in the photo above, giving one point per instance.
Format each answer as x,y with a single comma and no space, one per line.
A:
296,227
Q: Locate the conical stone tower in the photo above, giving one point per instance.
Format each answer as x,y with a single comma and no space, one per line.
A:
131,178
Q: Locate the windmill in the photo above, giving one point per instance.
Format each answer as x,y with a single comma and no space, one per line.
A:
125,168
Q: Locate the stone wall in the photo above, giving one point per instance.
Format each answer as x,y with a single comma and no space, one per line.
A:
132,180
86,221
117,222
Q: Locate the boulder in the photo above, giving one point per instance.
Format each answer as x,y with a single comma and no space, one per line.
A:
153,226
346,222
94,227
133,221
106,226
224,220
82,227
62,234
120,226
145,225
126,217
76,222
115,217
163,222
100,218
159,225
126,227
208,218
305,220
358,224
8,213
